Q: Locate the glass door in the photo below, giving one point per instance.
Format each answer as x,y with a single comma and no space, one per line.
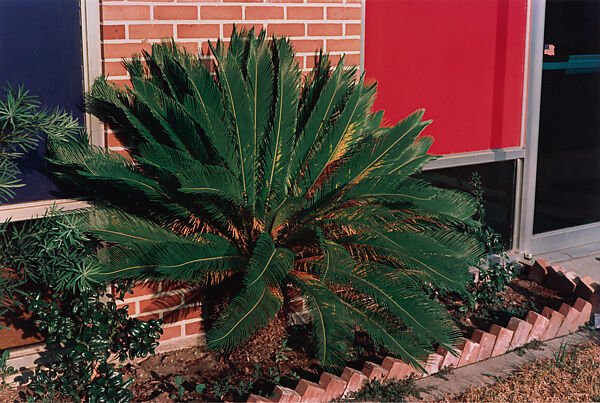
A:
567,190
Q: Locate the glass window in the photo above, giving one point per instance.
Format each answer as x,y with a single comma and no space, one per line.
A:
40,48
498,180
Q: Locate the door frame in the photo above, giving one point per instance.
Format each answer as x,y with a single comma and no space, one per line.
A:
524,239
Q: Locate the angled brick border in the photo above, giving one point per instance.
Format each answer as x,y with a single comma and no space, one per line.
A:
481,346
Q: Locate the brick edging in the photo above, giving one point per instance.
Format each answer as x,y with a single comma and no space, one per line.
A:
481,346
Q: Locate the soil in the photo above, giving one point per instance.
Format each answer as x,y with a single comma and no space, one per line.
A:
252,369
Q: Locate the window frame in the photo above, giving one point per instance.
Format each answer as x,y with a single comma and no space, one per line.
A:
89,11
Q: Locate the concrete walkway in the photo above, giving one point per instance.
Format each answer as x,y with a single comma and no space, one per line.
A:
583,260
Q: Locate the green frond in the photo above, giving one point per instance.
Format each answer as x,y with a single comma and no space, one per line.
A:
237,104
268,264
331,324
424,257
119,227
250,311
385,331
174,260
279,139
317,123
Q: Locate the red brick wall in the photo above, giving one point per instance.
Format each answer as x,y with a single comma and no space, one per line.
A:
128,26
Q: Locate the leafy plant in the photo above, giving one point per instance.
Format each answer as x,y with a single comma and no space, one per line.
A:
5,369
83,327
225,386
255,175
23,122
280,355
386,391
496,272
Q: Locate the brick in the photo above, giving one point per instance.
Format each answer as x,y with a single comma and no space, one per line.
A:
171,332
586,287
114,69
119,12
555,320
228,28
157,304
585,309
304,13
397,369
310,391
570,321
325,29
539,325
194,328
486,343
285,395
175,12
291,29
449,360
220,12
343,45
355,29
325,1
198,30
432,364
143,289
334,386
121,50
150,31
264,12
146,318
374,371
354,379
538,271
521,330
307,45
503,338
108,32
470,352
186,313
595,301
344,13
554,278
257,399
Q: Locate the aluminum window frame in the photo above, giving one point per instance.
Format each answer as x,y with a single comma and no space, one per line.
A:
92,67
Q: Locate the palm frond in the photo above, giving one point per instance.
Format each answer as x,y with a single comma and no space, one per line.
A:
247,313
331,325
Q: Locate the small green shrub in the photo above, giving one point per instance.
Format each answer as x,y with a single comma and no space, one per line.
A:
5,369
82,325
386,391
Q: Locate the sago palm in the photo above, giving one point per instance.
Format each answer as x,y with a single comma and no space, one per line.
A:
253,171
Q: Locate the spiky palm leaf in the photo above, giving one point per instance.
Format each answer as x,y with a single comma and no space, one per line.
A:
253,172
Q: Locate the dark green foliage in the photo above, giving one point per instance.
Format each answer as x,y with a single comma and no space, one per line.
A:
5,369
23,121
404,390
495,275
82,325
257,174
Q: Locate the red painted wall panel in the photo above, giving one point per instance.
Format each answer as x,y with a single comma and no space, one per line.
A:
461,60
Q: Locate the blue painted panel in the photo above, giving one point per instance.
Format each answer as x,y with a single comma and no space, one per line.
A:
40,48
